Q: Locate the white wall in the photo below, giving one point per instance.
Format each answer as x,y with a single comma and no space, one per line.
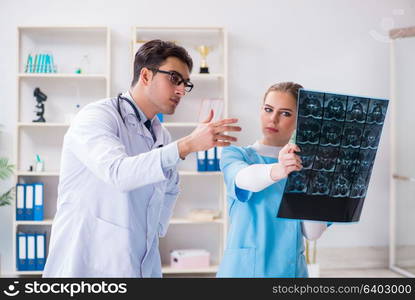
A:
325,45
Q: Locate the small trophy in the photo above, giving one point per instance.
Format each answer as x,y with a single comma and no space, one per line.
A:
203,51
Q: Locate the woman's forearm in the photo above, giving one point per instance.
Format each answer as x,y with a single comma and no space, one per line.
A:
255,178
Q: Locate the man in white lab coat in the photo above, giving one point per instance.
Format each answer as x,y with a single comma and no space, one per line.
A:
118,180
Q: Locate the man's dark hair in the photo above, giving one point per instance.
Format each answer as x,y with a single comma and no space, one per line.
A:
152,54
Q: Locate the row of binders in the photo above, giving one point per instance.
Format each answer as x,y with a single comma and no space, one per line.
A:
40,63
29,201
208,161
30,251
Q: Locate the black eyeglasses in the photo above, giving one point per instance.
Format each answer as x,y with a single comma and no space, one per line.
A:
177,79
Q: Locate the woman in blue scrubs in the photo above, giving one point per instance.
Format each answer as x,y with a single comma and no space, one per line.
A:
260,244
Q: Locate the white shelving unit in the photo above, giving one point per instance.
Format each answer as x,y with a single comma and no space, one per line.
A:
63,76
207,187
65,89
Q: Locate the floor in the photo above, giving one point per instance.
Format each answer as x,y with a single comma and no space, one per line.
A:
326,273
359,273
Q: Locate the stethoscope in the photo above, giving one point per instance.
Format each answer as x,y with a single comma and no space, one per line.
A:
136,112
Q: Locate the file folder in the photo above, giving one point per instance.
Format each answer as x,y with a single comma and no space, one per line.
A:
218,157
38,201
201,161
40,251
42,63
20,199
31,251
39,63
35,65
29,194
211,159
52,64
21,252
48,65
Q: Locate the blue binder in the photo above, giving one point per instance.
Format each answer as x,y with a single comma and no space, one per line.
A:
201,161
40,251
21,252
160,116
31,251
20,202
29,195
43,65
218,155
38,201
39,62
48,65
211,159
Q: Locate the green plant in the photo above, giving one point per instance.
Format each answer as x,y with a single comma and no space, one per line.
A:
6,170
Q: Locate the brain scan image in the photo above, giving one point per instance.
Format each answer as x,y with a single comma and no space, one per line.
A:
326,159
366,160
352,136
312,105
338,136
320,183
357,109
371,136
331,133
348,160
359,186
298,183
341,185
335,107
309,131
377,112
307,155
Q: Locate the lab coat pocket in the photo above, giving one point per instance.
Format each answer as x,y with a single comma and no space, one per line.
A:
109,250
238,263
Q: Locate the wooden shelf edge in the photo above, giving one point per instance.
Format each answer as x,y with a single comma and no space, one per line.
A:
169,270
35,223
184,221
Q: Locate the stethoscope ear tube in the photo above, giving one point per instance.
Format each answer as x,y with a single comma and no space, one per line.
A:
137,114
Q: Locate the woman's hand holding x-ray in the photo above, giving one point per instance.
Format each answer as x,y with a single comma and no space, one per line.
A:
288,162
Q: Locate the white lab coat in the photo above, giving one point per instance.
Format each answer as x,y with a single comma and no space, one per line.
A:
117,190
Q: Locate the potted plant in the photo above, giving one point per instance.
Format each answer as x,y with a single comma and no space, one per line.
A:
312,266
6,170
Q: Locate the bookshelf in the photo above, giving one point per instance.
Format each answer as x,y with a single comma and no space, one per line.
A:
65,89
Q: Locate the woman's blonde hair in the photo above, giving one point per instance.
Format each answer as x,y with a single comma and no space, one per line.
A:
286,87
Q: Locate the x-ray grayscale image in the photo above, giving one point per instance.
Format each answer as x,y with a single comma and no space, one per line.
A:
338,136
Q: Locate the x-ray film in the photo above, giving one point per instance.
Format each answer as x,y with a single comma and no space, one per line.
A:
338,136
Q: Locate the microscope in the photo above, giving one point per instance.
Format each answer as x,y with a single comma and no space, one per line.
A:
40,97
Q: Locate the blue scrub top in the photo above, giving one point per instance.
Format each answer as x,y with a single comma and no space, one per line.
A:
259,244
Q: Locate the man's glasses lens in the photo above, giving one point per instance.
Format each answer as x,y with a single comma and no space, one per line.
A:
176,79
188,86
